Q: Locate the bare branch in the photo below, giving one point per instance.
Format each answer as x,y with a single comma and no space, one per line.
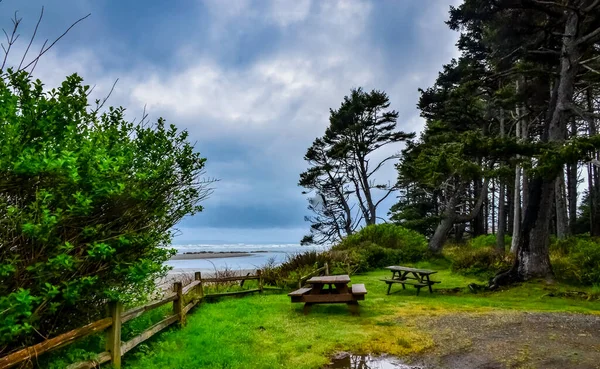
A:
381,163
392,189
590,69
32,38
55,41
10,40
592,6
35,65
591,37
106,98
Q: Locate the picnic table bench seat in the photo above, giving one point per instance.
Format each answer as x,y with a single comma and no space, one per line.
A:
359,289
300,291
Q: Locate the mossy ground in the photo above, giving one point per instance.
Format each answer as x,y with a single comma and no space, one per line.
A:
267,331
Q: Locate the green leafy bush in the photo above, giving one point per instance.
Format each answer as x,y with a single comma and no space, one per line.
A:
408,245
576,260
488,240
86,202
484,262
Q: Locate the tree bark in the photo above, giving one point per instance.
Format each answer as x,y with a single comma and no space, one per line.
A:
492,208
572,179
517,188
479,221
561,207
532,258
500,248
593,174
450,217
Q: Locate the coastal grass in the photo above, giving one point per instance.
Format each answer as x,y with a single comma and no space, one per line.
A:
267,331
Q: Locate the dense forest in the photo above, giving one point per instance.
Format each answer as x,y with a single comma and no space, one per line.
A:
510,145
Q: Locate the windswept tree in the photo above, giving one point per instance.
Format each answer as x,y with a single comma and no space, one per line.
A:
343,169
519,107
332,212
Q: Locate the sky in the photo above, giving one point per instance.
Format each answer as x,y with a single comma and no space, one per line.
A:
252,82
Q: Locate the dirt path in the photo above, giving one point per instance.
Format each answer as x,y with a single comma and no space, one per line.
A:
503,340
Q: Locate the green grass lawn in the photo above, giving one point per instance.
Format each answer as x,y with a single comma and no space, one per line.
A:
267,331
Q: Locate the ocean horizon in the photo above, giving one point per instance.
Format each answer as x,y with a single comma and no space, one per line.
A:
252,255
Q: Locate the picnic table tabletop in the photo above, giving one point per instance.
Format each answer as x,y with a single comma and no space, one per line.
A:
396,268
327,279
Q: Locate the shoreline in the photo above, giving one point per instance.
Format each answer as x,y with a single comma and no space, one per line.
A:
210,255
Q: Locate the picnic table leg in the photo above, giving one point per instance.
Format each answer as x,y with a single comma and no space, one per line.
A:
418,290
353,307
429,284
307,306
389,288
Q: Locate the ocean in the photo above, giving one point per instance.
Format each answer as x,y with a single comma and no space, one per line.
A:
260,254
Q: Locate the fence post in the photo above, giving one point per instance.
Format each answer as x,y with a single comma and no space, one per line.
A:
198,276
113,333
178,304
326,268
200,290
260,280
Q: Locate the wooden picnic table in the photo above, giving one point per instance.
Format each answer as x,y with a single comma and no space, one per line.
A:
412,276
336,293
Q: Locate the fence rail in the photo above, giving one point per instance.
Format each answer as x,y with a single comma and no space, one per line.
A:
115,349
323,269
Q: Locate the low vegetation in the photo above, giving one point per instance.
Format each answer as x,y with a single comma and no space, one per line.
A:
266,331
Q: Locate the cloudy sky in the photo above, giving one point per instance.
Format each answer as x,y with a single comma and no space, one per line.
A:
252,81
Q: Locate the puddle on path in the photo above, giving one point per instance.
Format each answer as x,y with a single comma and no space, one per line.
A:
349,361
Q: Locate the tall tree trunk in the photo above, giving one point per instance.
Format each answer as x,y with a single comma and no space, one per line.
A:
532,258
480,220
593,174
436,243
517,210
493,207
450,217
500,248
510,211
561,207
572,179
517,188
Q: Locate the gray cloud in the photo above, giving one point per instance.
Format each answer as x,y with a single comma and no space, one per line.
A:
254,108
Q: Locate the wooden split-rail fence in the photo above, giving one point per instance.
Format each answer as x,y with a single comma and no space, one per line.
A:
115,349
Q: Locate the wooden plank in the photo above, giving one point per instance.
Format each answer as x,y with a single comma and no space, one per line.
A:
413,283
53,343
328,298
189,287
127,346
189,306
178,303
407,269
198,277
113,334
330,279
232,293
408,281
102,358
135,312
359,289
300,292
260,280
230,279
